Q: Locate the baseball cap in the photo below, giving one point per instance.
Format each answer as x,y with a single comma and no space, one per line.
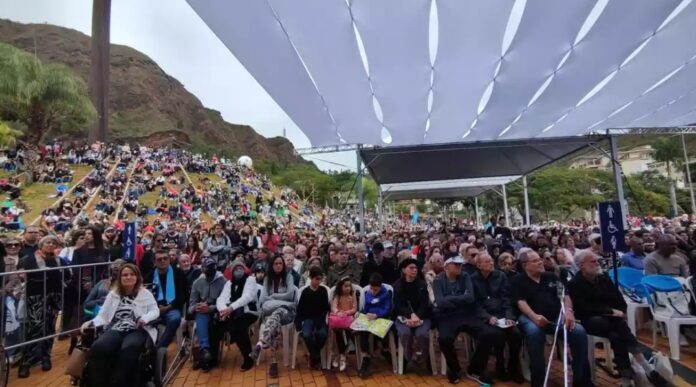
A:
388,245
456,260
208,262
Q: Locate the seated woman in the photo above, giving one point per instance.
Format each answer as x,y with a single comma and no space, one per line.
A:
127,310
278,308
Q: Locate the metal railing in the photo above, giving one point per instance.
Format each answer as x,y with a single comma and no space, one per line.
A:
40,296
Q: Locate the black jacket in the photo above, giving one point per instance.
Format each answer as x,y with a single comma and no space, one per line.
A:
493,295
454,298
411,297
181,289
594,298
386,269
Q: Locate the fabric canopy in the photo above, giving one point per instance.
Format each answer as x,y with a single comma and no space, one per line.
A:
419,72
443,189
490,159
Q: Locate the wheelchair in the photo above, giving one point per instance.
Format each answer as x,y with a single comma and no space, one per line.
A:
152,362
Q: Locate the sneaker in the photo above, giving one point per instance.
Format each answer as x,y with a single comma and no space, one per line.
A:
452,377
342,363
273,370
23,371
657,380
480,379
364,368
46,365
254,355
334,363
247,364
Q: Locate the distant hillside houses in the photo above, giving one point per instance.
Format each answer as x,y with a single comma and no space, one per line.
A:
633,161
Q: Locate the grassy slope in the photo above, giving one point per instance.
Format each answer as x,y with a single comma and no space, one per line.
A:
37,196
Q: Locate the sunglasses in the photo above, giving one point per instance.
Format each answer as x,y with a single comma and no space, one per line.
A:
13,245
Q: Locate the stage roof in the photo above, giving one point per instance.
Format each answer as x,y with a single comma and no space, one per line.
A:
409,164
421,72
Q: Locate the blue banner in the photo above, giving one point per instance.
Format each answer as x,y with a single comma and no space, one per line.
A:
129,241
611,226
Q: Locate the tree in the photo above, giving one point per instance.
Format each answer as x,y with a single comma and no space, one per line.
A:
43,98
8,136
667,150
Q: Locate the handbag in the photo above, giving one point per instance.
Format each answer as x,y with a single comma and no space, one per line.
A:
76,362
340,322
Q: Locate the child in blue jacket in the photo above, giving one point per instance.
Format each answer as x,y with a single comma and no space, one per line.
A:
378,304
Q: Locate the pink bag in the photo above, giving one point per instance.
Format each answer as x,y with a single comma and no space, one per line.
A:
340,322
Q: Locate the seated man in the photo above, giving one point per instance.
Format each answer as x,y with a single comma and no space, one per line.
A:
636,257
312,310
537,295
454,297
491,289
342,268
204,295
664,260
171,295
602,309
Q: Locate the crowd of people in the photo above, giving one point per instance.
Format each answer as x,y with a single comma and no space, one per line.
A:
263,260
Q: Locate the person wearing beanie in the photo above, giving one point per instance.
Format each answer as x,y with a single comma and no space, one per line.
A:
202,305
237,305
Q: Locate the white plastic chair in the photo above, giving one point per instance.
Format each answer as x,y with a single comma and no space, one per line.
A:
660,283
608,354
390,334
431,354
296,336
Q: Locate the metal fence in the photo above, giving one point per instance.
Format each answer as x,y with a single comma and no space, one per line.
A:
33,301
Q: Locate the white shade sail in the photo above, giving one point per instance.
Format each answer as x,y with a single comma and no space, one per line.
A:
395,73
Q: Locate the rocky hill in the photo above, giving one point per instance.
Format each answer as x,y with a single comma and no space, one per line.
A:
147,104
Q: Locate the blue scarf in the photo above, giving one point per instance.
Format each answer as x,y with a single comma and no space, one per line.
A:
170,286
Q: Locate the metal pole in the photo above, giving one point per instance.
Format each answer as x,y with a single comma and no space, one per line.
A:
505,207
361,199
380,209
688,176
618,179
476,211
526,201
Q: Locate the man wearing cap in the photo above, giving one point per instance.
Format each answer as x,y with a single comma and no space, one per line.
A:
412,309
376,263
204,294
454,296
538,297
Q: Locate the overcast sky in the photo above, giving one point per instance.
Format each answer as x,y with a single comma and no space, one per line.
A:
171,33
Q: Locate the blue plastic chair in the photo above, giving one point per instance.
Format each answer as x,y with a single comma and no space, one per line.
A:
630,280
634,291
663,283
